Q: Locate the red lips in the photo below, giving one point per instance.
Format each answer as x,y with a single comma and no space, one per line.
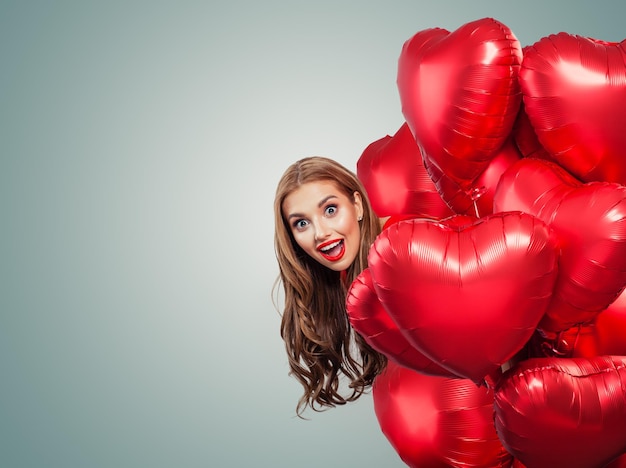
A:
333,250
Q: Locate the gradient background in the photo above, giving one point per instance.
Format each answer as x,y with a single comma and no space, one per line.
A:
140,146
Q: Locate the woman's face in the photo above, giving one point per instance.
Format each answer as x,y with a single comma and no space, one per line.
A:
325,223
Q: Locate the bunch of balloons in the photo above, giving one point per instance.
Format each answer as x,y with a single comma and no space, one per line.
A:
499,302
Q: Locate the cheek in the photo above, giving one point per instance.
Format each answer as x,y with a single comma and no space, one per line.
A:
351,226
303,239
352,230
341,221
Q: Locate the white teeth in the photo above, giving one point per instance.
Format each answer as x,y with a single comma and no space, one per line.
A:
330,246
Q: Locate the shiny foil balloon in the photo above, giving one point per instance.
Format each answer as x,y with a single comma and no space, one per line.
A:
369,319
575,96
467,294
609,328
395,179
618,463
460,94
557,412
590,223
477,200
437,422
605,335
525,138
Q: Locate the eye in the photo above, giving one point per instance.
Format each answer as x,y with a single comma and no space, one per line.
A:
330,210
300,224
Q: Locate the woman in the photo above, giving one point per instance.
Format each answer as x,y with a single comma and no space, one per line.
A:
324,227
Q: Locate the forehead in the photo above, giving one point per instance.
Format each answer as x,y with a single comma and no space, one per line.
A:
309,195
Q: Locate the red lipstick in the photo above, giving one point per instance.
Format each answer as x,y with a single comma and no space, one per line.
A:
332,250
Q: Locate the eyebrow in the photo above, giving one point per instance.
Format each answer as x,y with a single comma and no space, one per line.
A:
319,205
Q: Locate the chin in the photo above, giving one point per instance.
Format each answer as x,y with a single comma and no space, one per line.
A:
341,265
336,267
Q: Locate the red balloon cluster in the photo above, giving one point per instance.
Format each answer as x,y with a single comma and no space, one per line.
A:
437,421
500,304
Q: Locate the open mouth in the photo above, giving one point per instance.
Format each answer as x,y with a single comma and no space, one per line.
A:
332,250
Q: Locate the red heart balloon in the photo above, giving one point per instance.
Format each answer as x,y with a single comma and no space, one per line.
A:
609,328
552,412
525,138
369,319
618,463
436,421
460,94
395,179
574,92
589,221
605,335
477,200
468,296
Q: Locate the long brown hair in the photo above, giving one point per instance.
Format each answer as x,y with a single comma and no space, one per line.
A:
315,327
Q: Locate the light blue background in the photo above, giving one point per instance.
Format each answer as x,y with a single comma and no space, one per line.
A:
140,146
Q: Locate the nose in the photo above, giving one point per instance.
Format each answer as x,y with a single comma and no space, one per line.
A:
322,231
